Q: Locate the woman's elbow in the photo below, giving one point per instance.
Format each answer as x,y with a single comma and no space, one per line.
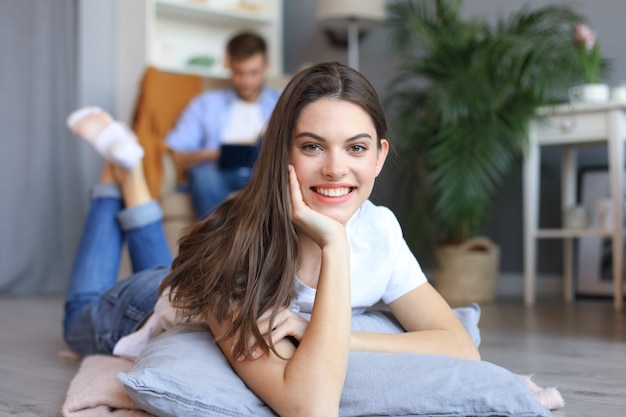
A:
472,353
467,348
461,345
314,408
310,404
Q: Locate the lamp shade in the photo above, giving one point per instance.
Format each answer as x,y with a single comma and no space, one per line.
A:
337,12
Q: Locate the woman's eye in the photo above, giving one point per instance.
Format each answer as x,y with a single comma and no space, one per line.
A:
358,148
311,147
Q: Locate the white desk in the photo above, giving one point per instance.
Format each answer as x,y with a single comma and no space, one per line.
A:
570,127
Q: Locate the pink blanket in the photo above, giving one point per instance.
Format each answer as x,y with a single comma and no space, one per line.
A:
95,391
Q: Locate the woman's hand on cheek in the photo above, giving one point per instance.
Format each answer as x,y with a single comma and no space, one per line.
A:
320,228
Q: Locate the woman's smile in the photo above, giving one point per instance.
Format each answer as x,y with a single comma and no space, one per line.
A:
333,191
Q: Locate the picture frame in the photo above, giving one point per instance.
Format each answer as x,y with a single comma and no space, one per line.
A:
594,255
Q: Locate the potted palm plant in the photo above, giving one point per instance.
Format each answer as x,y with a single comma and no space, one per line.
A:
461,104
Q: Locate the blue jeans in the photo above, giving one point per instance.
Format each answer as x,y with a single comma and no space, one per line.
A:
99,310
210,186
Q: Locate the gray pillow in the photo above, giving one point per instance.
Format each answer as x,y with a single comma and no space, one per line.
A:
183,373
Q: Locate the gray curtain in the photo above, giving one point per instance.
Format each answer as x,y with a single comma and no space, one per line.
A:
41,202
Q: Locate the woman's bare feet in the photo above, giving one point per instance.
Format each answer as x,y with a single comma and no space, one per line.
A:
132,183
113,140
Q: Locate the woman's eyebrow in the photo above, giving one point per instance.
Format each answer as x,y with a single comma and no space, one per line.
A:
309,135
320,138
360,136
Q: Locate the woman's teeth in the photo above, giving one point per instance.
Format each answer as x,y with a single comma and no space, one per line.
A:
333,192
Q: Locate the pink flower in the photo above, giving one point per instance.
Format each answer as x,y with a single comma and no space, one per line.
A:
583,35
587,53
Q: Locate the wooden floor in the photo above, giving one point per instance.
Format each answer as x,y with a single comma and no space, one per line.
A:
33,378
580,349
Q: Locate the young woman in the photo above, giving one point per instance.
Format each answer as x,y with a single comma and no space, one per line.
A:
302,237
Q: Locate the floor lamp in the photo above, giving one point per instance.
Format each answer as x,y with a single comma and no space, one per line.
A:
346,21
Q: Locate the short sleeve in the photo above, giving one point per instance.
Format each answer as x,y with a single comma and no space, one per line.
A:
381,264
406,272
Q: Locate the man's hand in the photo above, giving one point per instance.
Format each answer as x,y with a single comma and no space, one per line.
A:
185,160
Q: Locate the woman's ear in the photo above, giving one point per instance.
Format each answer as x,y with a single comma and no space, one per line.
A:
383,151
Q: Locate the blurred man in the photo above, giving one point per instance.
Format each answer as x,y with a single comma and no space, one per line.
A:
215,138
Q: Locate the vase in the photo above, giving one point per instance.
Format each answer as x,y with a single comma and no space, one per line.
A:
589,93
467,272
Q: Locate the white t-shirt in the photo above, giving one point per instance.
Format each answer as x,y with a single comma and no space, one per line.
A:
382,267
245,123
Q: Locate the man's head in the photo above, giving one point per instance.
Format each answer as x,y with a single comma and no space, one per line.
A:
247,59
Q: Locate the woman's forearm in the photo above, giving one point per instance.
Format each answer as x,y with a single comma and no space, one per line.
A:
319,364
432,328
310,380
440,341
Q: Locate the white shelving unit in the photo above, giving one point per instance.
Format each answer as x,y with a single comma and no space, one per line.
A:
167,33
183,29
570,127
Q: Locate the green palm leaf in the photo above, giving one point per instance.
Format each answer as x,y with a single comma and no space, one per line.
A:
462,100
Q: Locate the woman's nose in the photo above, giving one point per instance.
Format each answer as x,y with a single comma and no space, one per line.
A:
335,165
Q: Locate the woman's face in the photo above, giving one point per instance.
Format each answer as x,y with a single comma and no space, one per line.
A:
336,156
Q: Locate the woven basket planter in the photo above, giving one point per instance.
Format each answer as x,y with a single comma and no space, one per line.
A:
467,272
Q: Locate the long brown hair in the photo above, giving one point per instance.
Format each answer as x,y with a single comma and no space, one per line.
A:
242,260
